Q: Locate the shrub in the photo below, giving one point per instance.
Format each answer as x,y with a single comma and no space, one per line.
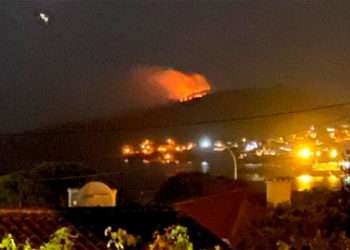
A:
174,238
62,239
120,239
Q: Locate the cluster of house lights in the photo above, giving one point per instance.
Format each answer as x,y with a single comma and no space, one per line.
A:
165,152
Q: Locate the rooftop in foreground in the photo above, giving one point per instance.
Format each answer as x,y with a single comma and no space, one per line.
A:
88,224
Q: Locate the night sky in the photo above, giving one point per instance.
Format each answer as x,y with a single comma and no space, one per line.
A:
78,64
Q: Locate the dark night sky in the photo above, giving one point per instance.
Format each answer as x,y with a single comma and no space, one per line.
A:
76,66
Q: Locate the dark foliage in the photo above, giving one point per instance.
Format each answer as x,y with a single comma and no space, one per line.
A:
190,185
42,185
319,219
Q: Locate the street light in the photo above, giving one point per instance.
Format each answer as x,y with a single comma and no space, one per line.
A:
305,153
205,143
220,146
333,154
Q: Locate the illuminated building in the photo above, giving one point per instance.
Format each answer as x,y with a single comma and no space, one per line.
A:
278,191
92,194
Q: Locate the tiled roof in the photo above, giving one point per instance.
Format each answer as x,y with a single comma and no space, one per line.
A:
38,224
89,223
220,213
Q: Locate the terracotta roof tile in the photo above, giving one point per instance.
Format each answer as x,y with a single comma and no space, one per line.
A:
219,213
89,223
37,225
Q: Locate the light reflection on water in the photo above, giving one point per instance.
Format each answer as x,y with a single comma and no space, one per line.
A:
308,182
332,180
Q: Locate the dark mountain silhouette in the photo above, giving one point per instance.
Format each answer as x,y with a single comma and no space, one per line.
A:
99,139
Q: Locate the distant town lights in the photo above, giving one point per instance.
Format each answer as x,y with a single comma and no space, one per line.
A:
127,150
219,146
170,141
167,156
251,146
190,146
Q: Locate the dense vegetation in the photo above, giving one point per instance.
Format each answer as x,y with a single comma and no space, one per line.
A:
62,239
316,220
42,185
190,185
174,237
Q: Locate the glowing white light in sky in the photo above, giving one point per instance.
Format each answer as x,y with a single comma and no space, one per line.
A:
44,17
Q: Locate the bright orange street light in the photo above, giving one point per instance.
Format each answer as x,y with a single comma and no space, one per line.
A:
333,153
305,153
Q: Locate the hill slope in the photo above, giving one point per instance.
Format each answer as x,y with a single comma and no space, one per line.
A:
102,138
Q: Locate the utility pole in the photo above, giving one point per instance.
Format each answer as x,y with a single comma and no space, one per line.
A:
222,147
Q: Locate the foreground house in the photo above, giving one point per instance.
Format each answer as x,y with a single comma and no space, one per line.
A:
224,214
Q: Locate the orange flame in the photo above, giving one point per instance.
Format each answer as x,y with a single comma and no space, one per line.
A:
176,85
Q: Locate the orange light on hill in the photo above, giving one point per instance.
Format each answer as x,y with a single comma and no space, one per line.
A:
181,86
195,95
171,84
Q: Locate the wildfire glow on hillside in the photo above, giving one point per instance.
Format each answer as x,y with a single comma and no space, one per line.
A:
177,86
